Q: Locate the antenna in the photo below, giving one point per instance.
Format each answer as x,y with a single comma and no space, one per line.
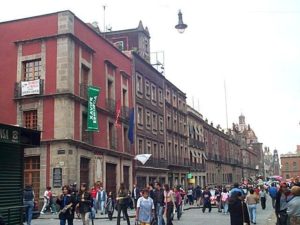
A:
226,104
104,26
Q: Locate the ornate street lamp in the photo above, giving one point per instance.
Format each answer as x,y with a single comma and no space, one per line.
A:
180,26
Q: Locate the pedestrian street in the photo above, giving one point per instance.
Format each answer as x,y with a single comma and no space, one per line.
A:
192,216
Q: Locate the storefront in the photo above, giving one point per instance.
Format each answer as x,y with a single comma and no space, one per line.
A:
13,140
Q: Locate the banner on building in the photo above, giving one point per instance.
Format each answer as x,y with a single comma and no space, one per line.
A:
131,126
92,118
118,114
31,87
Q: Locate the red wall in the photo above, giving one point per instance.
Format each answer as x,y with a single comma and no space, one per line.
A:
10,32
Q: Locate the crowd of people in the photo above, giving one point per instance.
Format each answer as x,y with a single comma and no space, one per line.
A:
158,205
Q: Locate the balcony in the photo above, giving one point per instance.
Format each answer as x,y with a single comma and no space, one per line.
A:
29,88
196,143
110,105
198,167
154,162
125,112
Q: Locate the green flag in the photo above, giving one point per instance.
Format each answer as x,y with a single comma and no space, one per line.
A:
92,118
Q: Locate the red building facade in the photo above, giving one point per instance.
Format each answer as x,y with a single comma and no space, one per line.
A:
47,64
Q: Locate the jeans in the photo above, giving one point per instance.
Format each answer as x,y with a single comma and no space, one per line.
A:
123,208
159,213
252,212
102,204
225,207
169,213
63,221
28,213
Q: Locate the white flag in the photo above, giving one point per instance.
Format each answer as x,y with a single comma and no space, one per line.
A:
143,158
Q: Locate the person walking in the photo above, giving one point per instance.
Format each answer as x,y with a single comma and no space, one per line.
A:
252,200
110,205
122,203
85,203
145,208
101,198
263,198
224,200
283,196
67,203
190,195
28,201
159,203
178,202
135,194
293,207
169,204
198,193
47,200
238,210
273,193
218,199
94,193
206,200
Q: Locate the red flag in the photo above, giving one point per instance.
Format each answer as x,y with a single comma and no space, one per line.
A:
118,113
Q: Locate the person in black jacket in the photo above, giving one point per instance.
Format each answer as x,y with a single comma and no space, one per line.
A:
238,210
283,196
67,203
135,194
85,203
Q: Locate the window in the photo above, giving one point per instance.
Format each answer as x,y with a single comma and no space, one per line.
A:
155,151
161,124
162,152
110,89
148,147
30,119
175,128
295,166
287,168
124,97
84,170
174,100
153,93
154,122
140,146
140,115
32,70
168,95
126,141
139,84
160,97
147,88
179,104
169,121
111,136
148,119
86,136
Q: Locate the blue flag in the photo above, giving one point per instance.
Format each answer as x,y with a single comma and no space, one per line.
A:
131,126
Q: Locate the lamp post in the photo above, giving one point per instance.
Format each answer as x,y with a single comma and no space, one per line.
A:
180,26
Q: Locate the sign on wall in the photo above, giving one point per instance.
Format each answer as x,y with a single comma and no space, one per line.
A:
57,177
30,87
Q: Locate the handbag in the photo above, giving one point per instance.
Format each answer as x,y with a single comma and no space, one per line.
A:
244,223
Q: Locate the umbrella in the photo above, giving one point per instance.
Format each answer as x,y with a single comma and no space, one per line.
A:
143,158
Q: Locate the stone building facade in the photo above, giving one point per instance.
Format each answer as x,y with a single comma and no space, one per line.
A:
51,67
196,147
290,164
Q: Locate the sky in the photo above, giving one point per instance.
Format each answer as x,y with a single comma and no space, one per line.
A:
252,47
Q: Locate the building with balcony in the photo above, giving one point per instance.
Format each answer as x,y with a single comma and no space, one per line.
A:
290,164
47,63
176,135
196,147
224,156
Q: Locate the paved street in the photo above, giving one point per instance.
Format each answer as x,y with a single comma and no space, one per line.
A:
193,216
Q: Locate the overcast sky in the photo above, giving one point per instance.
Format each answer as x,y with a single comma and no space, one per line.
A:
253,45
